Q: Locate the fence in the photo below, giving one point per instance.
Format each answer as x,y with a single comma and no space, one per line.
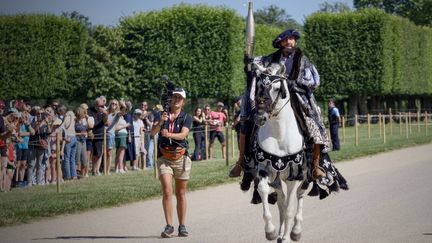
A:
386,126
383,127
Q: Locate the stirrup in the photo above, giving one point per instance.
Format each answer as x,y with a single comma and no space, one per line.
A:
320,176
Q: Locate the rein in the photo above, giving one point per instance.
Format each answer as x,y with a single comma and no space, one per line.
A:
273,105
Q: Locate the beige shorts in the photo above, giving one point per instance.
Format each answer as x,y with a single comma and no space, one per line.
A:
180,169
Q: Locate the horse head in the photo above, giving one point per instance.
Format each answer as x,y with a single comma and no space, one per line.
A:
272,92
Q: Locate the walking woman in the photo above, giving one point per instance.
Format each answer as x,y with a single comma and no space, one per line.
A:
173,161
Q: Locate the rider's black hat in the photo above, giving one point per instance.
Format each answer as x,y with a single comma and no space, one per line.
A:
284,35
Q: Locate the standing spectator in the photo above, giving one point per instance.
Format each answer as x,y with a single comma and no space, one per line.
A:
138,137
130,154
10,136
38,149
100,121
89,140
113,118
173,160
334,123
81,135
217,120
69,164
147,118
22,148
150,151
57,128
121,136
198,133
4,134
54,105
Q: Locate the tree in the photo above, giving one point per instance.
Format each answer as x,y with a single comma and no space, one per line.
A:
80,18
276,17
418,11
337,7
108,71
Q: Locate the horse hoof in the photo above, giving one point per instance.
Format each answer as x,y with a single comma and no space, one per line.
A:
295,237
272,235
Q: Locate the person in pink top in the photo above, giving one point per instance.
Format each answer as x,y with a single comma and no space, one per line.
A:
217,121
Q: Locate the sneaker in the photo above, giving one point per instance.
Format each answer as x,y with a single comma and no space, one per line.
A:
168,231
182,232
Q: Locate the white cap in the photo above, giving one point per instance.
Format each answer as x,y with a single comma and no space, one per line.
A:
137,111
181,92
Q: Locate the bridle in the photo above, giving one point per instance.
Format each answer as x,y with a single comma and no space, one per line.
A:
267,81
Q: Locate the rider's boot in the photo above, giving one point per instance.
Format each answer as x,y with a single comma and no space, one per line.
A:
317,172
239,166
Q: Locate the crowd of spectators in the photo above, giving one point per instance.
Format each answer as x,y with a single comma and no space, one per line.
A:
31,138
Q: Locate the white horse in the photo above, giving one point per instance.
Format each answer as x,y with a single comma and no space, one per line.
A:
278,149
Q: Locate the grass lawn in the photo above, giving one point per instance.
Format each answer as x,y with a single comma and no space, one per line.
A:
24,205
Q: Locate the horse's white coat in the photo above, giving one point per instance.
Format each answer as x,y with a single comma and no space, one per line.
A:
281,136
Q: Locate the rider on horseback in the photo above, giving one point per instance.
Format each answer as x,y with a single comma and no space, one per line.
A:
303,78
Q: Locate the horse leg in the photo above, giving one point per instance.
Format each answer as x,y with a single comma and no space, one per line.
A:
298,219
263,190
290,205
282,210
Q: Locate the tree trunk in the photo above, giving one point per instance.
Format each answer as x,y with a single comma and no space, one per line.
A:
363,105
353,102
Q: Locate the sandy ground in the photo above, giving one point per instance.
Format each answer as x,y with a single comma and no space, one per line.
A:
390,201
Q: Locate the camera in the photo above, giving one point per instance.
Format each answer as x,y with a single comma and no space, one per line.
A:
167,95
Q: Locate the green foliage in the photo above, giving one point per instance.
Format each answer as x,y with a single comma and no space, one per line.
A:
369,52
41,56
264,36
418,11
276,17
198,47
108,71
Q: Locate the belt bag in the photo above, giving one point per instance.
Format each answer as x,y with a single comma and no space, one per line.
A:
173,153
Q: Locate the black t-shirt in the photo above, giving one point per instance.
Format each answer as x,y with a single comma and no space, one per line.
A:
183,120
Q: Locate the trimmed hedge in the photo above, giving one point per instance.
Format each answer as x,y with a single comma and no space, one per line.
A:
198,47
369,52
41,56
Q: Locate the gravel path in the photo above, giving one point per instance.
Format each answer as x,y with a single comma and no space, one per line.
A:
390,201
